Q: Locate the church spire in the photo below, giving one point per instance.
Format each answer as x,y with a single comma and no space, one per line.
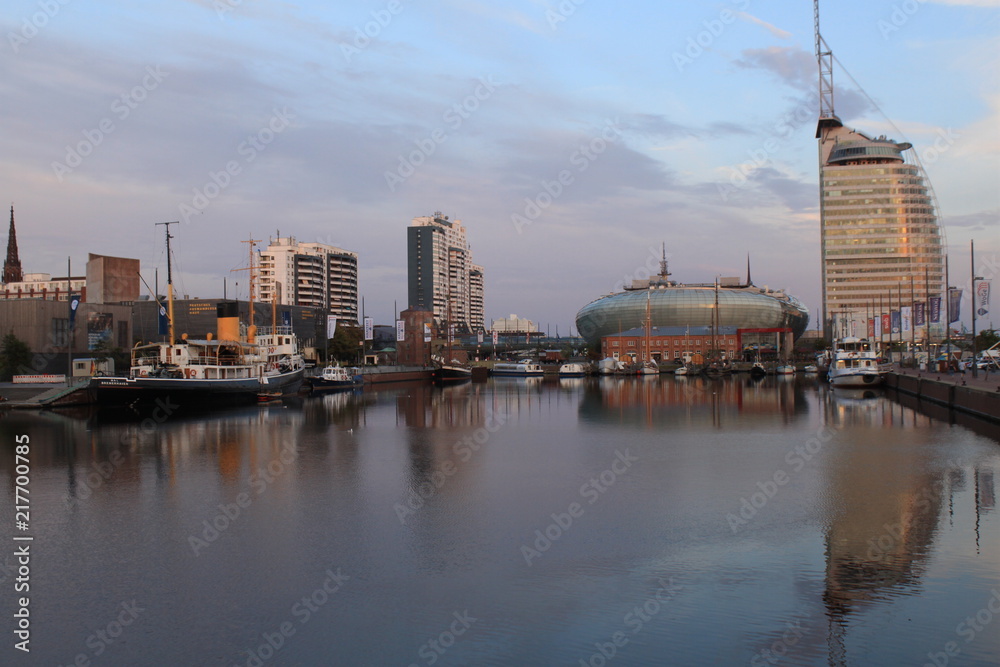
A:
12,267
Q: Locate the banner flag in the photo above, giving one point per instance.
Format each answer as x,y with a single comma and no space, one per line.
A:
894,318
162,321
331,325
369,328
885,324
919,314
427,333
74,303
935,308
954,305
400,331
871,328
907,317
496,337
982,295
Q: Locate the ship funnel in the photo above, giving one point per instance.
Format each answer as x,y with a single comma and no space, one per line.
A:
227,314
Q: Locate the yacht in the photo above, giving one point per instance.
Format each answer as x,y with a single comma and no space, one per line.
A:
854,364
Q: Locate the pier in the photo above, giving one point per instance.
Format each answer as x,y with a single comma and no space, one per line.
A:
979,396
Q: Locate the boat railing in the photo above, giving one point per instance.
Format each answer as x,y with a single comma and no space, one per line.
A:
283,330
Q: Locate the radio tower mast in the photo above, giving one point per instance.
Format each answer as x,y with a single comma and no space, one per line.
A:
824,57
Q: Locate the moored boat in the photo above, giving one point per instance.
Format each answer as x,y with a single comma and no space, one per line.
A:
572,370
335,378
784,369
522,368
854,364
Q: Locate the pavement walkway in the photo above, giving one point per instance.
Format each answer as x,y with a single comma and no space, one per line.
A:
986,380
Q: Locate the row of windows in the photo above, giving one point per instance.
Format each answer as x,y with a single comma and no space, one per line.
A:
854,189
904,210
874,171
871,231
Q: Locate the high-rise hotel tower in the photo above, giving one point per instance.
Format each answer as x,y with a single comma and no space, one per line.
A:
881,244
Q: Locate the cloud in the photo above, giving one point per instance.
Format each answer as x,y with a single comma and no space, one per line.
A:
777,32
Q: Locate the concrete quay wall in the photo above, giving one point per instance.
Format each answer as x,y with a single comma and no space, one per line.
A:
975,400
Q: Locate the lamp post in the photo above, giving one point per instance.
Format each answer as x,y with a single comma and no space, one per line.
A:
972,270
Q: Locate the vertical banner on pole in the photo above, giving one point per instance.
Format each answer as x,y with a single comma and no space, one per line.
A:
400,331
935,308
886,327
369,328
427,333
954,305
496,337
331,325
895,320
919,314
907,317
871,328
982,295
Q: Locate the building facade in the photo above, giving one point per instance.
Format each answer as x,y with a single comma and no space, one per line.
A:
313,275
881,244
513,325
441,276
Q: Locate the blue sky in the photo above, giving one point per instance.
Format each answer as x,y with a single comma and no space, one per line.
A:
626,124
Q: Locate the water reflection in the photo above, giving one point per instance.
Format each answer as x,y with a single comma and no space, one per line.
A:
425,495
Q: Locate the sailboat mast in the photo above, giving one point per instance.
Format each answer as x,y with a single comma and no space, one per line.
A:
170,279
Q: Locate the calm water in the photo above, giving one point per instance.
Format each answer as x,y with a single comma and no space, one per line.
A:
638,521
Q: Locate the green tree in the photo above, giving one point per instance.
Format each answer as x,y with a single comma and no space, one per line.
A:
986,339
344,346
15,357
105,350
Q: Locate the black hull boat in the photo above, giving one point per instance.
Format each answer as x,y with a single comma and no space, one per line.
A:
183,392
451,374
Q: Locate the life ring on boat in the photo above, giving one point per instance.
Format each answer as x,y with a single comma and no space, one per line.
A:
189,372
143,373
271,349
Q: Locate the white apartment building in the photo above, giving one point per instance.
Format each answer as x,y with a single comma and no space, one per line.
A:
310,274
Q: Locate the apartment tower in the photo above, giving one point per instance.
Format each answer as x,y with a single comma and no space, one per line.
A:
441,275
310,274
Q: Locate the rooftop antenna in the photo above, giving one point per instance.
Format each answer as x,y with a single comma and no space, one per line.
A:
824,57
664,272
749,282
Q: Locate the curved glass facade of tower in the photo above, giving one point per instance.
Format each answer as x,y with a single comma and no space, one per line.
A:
881,243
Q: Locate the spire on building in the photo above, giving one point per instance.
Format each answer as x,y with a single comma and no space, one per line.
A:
12,266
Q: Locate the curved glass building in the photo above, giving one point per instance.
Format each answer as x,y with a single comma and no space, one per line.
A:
879,230
741,305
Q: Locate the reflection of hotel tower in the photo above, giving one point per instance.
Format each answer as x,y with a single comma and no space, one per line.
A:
881,530
878,227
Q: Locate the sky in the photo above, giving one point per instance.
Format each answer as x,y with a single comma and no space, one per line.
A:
571,137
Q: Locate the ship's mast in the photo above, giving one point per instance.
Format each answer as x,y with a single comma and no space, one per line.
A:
170,280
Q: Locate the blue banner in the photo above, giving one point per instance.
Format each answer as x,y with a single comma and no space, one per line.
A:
895,321
919,314
286,318
74,303
162,321
935,307
954,305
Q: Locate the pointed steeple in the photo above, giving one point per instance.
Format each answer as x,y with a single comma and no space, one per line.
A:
12,266
749,282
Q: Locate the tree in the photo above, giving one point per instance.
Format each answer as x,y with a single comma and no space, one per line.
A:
986,339
344,345
105,350
15,357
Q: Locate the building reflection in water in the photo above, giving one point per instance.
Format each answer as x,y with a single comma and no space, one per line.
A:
654,402
884,507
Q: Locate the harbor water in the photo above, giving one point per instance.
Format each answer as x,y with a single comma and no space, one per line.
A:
593,522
